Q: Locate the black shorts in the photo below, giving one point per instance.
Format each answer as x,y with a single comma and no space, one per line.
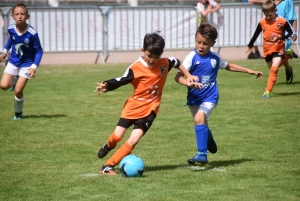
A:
143,123
269,58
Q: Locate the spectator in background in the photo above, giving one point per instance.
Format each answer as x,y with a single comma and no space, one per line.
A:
206,7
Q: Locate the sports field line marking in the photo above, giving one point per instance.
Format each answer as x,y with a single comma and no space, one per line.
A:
89,175
208,168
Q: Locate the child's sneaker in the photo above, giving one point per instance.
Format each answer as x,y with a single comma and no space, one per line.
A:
289,75
18,116
290,52
103,151
198,159
266,94
108,169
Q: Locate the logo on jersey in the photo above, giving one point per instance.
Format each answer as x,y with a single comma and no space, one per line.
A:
19,49
26,41
163,71
197,62
213,63
279,26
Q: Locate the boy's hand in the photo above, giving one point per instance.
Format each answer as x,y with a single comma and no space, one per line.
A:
257,73
100,88
195,85
32,72
192,79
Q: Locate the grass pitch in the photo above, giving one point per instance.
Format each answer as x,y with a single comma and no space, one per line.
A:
52,153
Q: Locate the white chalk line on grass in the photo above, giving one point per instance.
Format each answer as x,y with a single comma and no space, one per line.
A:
89,175
207,168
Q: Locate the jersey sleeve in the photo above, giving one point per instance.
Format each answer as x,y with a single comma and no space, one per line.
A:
173,63
8,45
255,35
39,51
115,83
289,29
187,62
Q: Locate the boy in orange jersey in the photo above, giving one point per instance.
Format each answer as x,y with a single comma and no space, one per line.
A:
273,27
148,76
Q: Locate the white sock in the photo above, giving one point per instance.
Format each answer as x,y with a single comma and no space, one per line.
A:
19,104
14,81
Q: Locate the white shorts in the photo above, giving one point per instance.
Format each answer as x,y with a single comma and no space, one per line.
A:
207,108
14,70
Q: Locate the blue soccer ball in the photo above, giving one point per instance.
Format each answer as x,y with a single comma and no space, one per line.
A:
132,166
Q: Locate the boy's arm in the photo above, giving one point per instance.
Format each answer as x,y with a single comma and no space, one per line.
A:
238,68
180,79
255,35
288,27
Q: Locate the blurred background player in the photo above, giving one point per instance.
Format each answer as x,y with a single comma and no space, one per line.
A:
25,56
203,65
274,28
205,7
286,10
148,76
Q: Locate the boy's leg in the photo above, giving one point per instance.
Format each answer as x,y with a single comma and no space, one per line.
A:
113,140
19,97
201,140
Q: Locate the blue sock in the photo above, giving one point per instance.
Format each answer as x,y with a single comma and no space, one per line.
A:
201,137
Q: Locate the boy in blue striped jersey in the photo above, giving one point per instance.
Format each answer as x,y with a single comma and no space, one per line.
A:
25,56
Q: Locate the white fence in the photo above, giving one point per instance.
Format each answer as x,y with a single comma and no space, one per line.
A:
121,28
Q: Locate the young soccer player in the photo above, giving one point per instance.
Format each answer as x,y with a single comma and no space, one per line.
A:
203,65
148,76
25,56
274,28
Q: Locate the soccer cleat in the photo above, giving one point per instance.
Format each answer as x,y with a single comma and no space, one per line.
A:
294,54
18,117
266,94
198,159
103,151
290,52
108,170
289,75
211,144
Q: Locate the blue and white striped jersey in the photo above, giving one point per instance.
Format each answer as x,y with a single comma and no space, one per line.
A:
206,68
26,47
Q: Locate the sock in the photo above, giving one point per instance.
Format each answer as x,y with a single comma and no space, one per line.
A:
123,151
201,137
19,104
113,141
272,78
15,79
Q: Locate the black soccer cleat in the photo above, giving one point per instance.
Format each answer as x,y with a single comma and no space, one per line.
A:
289,76
103,151
108,170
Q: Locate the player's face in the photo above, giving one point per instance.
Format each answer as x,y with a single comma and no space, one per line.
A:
150,59
270,15
203,45
20,15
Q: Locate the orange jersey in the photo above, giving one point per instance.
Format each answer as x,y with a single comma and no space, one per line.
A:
276,28
148,84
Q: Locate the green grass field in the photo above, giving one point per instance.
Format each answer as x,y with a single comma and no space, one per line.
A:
52,153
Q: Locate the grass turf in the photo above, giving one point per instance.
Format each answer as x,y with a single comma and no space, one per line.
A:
52,153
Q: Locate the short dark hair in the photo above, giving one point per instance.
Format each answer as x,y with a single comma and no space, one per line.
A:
207,31
154,43
268,5
20,5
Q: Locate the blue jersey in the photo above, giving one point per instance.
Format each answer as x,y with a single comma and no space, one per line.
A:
206,69
26,47
286,10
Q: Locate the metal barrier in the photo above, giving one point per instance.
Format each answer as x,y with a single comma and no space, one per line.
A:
122,28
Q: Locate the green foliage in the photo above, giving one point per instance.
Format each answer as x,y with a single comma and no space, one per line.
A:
52,153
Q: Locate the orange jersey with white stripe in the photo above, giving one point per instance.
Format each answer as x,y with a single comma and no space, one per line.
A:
270,29
148,83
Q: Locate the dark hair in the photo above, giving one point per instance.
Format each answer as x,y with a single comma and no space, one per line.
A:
19,5
268,5
154,43
207,31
